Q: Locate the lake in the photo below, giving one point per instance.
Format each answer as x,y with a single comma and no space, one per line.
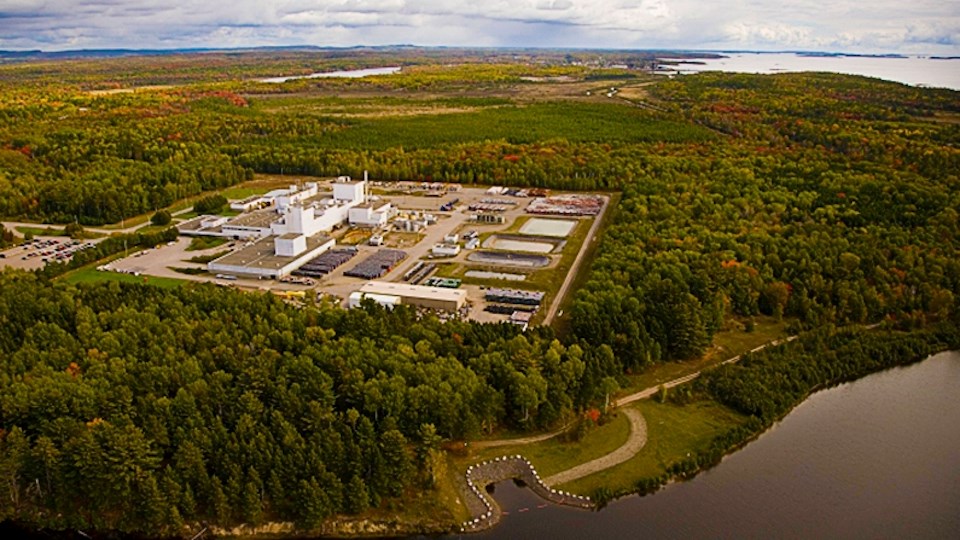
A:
914,70
351,74
876,458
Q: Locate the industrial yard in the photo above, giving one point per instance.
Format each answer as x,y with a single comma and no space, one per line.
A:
485,253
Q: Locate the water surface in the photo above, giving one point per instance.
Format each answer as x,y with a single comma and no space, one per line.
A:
876,458
349,74
914,70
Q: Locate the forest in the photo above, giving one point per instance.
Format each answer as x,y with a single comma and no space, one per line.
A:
828,201
222,406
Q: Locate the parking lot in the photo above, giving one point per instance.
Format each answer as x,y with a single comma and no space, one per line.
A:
33,254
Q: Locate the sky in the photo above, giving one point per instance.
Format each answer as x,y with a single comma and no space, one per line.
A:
877,26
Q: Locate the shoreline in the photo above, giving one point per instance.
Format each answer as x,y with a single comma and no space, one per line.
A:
516,467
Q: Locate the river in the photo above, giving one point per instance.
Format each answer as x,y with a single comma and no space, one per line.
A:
876,458
914,70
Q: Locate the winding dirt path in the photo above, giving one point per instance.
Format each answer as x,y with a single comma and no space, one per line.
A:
648,392
520,440
635,443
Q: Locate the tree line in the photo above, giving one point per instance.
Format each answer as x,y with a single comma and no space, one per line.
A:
199,404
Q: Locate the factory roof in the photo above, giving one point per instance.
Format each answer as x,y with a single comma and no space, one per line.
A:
193,224
262,254
413,291
258,218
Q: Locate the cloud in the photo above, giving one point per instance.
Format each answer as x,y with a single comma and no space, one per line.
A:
880,26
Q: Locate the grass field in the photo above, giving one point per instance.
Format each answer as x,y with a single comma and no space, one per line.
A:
672,432
554,455
520,124
40,231
204,259
261,183
200,243
92,275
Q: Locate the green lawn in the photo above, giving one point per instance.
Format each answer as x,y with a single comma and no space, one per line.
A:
672,432
40,231
554,455
237,193
92,275
199,243
731,343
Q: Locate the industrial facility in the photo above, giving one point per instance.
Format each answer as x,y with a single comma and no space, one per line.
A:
406,244
271,257
288,227
413,295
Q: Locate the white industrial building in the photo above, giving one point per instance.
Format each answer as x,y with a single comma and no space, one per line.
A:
290,245
418,295
250,204
306,213
445,250
290,232
283,199
386,300
271,257
371,215
297,209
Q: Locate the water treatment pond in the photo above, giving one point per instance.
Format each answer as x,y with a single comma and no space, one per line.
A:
876,458
500,258
483,274
514,244
557,228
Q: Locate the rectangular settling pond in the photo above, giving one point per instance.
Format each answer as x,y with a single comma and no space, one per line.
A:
557,228
499,258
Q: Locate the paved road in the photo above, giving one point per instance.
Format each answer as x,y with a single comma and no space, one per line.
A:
11,225
575,268
635,443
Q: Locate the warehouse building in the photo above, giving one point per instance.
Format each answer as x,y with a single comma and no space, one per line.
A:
386,300
514,296
271,257
416,295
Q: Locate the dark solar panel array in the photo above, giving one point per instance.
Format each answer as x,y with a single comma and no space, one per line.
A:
377,265
325,263
508,310
419,272
513,296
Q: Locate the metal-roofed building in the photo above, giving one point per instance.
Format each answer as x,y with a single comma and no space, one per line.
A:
420,296
264,259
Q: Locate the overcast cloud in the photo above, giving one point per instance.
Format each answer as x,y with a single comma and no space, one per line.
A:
927,26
